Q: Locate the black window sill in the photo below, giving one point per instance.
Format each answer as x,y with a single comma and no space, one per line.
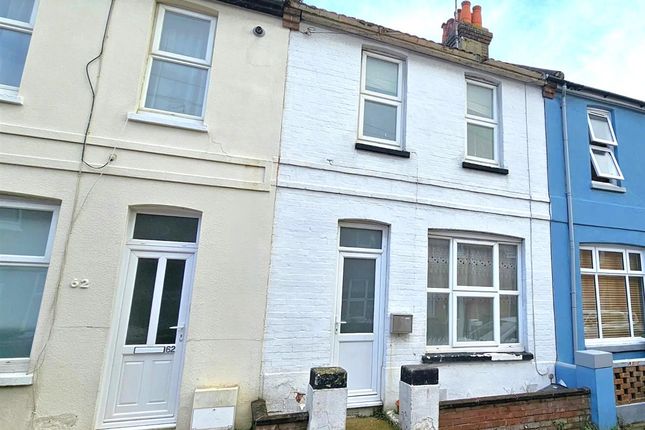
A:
382,150
462,357
484,168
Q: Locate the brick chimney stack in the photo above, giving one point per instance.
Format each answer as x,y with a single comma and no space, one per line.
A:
467,32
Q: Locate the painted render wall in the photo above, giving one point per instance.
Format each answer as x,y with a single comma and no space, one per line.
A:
323,179
227,174
600,217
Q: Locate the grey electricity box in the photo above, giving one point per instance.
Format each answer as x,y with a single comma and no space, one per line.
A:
400,323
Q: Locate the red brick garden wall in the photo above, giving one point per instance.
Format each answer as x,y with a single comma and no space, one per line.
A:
561,409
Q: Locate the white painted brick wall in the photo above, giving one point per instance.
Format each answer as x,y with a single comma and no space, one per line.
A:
323,179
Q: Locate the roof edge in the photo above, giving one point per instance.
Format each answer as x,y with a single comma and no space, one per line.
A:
270,7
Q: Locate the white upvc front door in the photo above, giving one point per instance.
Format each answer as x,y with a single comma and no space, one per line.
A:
359,321
147,363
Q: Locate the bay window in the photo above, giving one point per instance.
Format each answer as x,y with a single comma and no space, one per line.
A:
612,294
473,294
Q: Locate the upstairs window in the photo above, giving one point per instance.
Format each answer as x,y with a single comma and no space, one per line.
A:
481,122
179,64
16,26
381,100
604,165
612,294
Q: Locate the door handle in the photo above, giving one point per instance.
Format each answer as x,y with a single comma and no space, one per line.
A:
180,331
338,324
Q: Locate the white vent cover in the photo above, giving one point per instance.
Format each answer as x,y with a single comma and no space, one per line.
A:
214,409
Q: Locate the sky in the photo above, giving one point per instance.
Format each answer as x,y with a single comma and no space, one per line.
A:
599,43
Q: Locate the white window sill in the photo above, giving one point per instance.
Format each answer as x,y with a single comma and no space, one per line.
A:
607,187
10,97
168,121
16,379
625,345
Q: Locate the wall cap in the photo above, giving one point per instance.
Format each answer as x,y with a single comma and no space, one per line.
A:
594,359
419,374
324,378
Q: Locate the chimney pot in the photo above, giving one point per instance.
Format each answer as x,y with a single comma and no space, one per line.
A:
477,16
465,12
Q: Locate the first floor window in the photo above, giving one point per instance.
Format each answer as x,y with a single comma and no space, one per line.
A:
26,233
180,62
473,293
612,293
481,122
16,26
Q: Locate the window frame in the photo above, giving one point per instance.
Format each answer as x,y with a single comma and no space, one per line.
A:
455,291
492,123
626,273
21,27
381,98
607,116
156,54
21,364
603,145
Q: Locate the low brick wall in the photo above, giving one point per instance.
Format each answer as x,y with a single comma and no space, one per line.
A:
558,409
629,382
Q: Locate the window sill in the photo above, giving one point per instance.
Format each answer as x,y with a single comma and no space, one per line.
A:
16,379
382,150
484,168
607,187
461,357
618,347
10,97
168,121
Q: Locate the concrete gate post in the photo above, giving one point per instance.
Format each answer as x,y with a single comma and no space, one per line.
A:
419,397
327,398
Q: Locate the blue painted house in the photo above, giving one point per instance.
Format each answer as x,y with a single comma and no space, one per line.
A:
596,155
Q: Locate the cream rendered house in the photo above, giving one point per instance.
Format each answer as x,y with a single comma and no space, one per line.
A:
135,226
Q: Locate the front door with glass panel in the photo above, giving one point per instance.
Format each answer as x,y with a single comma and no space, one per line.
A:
147,364
359,313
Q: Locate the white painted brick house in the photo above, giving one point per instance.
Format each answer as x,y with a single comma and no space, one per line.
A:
374,208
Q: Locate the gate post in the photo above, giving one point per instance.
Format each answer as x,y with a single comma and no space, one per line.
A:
327,398
419,397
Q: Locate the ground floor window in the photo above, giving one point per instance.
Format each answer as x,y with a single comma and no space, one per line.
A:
473,294
26,235
612,292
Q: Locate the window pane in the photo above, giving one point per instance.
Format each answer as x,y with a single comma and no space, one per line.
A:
508,267
586,258
480,101
509,329
24,231
481,141
589,309
613,306
605,163
360,238
185,35
438,263
357,307
167,228
475,319
438,318
170,301
635,262
18,10
636,296
176,88
144,286
600,127
611,260
382,76
379,120
474,265
21,290
13,52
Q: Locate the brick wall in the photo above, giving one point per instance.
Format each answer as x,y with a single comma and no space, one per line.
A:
629,382
566,409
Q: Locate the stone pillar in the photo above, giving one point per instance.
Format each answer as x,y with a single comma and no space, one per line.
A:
595,370
419,397
327,398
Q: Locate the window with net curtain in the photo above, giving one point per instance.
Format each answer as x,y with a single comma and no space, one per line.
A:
612,293
180,63
25,235
16,25
473,294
